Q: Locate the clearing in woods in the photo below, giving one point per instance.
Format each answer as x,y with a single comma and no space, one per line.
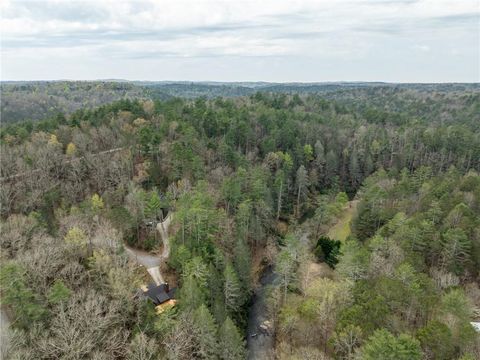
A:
341,230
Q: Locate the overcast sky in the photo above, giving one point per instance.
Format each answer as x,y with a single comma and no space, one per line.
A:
261,40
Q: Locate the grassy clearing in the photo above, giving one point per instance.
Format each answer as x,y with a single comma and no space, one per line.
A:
341,230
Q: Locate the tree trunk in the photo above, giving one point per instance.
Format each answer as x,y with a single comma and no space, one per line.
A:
279,201
298,202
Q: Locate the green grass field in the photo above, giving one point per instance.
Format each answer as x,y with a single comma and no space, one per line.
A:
341,230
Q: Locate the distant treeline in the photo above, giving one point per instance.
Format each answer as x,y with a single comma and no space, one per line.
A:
38,100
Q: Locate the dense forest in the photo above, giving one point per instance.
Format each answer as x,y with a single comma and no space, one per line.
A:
33,101
255,185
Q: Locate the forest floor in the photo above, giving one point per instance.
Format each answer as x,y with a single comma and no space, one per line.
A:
342,229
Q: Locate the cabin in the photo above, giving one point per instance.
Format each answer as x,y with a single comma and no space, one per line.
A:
161,295
158,294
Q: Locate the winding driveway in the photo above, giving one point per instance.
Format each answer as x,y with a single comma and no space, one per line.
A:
151,262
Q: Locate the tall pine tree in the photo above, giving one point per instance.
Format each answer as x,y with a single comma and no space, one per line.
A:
205,334
232,345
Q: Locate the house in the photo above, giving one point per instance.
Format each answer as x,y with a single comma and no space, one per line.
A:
161,295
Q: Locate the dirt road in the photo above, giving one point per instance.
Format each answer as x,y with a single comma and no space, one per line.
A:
152,262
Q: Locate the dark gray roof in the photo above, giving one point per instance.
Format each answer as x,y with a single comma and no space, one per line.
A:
159,293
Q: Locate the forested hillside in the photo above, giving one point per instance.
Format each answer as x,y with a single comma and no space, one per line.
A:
253,184
39,100
23,101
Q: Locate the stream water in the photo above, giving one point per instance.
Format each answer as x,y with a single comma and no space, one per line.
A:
260,336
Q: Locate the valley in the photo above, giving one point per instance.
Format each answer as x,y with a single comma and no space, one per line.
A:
313,225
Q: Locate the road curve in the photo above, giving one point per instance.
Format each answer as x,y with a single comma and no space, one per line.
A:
151,262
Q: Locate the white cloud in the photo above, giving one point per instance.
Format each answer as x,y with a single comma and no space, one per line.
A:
423,48
341,30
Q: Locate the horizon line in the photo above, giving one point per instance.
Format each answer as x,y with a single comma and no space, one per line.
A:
249,81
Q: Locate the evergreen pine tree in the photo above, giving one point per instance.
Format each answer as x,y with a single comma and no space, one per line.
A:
242,263
302,183
153,206
205,334
191,296
232,290
232,346
58,293
382,345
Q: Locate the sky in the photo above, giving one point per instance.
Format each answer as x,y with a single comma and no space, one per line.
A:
242,40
